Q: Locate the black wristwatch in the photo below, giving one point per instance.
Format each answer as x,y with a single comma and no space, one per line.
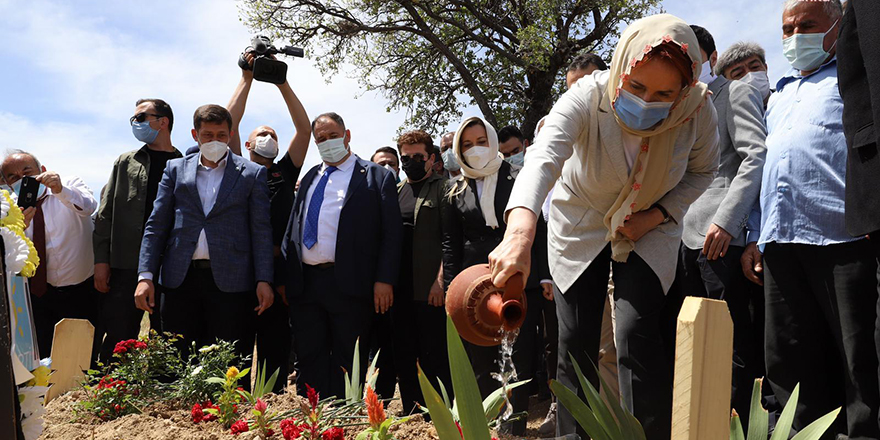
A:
663,211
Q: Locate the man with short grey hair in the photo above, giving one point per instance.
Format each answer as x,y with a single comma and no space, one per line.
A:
745,61
820,283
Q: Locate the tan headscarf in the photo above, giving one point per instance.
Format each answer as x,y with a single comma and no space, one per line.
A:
489,173
653,163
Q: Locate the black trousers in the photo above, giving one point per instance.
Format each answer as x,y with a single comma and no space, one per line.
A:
78,301
120,318
419,339
645,366
273,342
723,279
202,313
820,303
326,324
382,343
549,332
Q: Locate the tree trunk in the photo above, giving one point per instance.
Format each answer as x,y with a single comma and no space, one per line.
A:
539,96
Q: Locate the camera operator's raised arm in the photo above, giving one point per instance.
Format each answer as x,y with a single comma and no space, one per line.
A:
299,145
238,102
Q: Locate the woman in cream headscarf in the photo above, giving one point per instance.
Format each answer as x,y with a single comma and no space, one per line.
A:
632,148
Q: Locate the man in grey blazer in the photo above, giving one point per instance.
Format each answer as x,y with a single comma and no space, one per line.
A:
209,239
713,238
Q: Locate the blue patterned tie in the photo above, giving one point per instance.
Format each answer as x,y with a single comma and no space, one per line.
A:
310,234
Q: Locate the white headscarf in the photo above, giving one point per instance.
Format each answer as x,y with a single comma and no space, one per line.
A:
489,173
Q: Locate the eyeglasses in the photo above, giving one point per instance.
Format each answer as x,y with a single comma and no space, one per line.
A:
142,116
416,157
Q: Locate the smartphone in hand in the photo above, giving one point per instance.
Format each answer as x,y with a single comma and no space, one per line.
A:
27,194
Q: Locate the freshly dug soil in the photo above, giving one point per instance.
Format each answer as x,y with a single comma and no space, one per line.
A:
160,422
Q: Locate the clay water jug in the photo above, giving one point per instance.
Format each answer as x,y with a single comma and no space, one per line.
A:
482,312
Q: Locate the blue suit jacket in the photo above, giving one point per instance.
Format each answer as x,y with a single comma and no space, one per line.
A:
368,238
237,228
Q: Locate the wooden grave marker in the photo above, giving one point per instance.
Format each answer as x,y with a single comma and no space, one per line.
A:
71,355
703,369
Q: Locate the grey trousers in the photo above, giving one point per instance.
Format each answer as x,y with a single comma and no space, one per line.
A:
645,367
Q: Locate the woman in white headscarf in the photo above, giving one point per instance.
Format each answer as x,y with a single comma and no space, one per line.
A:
632,147
472,216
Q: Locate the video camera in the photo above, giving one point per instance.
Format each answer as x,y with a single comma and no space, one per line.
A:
265,68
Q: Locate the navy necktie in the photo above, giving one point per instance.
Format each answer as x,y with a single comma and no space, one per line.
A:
310,234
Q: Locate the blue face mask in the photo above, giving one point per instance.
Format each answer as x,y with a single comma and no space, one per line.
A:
517,159
15,188
449,160
143,132
637,114
807,51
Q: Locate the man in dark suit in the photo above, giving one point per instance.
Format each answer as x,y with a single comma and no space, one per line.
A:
858,70
342,247
210,240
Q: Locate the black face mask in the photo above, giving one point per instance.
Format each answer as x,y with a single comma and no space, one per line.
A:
415,169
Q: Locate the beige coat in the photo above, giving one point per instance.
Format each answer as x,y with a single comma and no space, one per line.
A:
581,146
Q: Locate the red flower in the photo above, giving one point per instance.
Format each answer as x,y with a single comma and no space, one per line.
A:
260,406
120,348
313,396
290,430
207,417
140,345
239,427
197,414
335,433
375,409
270,433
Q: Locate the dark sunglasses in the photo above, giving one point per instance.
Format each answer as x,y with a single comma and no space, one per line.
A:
142,116
416,157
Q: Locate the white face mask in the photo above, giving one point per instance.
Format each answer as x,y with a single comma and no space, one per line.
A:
214,150
478,157
807,51
332,150
449,161
266,146
758,80
706,75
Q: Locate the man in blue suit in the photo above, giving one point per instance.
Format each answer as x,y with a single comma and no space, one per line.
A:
209,240
342,247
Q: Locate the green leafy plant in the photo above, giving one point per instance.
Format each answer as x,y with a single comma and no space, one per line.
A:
354,387
228,397
758,420
109,399
469,407
191,385
596,418
261,417
145,363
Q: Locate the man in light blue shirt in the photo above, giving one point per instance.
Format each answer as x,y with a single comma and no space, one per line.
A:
820,283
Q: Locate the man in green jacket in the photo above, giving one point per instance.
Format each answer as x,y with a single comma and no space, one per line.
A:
126,204
419,314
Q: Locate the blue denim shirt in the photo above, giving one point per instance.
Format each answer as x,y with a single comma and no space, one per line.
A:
802,191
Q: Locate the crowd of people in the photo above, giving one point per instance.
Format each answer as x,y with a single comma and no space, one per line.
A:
676,171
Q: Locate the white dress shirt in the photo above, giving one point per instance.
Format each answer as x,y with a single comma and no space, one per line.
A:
69,255
324,251
208,183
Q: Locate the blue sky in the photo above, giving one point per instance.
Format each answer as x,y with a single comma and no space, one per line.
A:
73,71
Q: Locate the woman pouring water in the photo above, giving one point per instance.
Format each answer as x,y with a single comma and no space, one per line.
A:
632,148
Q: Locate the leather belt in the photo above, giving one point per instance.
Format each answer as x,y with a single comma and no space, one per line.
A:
321,266
201,264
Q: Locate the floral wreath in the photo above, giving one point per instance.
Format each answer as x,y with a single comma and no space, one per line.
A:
21,255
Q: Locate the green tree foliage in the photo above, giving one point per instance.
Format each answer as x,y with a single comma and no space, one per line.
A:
435,57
